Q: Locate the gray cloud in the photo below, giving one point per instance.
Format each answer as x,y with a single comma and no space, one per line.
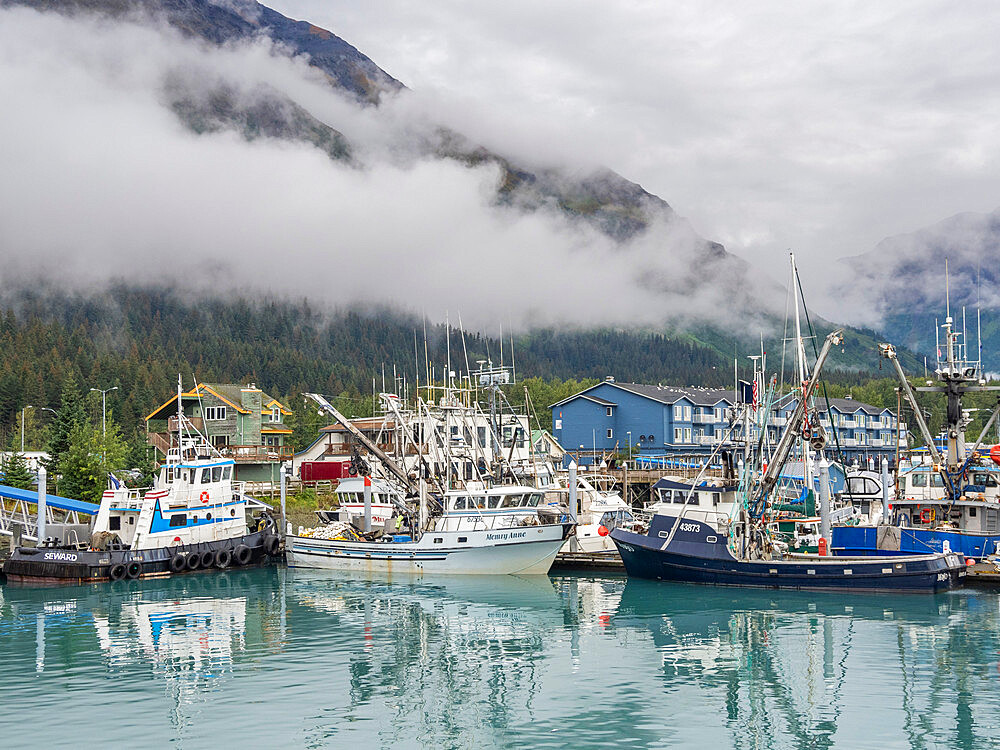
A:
818,127
101,180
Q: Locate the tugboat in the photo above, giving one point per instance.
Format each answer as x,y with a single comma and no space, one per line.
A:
743,553
194,517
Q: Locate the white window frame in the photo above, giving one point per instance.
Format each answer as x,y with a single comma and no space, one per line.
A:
215,413
611,433
610,411
678,435
276,414
687,435
687,413
679,412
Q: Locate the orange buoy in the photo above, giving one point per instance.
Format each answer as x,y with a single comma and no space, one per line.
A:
602,530
995,454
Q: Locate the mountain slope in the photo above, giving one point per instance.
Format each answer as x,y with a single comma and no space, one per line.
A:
617,207
903,278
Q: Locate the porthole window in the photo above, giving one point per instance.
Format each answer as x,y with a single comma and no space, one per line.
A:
232,512
208,516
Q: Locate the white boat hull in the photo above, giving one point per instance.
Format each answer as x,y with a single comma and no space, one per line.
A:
486,552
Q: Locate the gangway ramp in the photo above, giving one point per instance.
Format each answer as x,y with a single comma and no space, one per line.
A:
19,508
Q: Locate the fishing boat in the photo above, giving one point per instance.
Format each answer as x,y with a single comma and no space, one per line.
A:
194,517
386,501
744,552
486,531
947,498
601,509
484,527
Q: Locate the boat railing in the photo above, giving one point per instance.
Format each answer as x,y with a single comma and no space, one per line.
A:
129,498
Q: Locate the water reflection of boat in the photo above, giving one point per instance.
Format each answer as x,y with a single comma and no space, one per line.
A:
789,665
187,627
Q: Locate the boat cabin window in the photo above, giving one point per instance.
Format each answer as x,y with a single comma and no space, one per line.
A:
984,479
513,501
216,473
459,503
114,523
937,480
918,480
679,496
494,501
178,519
862,486
716,498
534,499
206,475
226,473
477,502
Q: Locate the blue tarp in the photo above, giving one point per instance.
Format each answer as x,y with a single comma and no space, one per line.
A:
54,501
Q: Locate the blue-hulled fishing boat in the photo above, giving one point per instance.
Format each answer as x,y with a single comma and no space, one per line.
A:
742,551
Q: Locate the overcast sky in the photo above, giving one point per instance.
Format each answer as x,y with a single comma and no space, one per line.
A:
820,126
821,129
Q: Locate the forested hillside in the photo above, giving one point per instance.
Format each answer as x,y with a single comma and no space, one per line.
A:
139,339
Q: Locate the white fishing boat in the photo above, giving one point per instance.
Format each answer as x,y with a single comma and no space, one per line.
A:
484,531
386,500
601,510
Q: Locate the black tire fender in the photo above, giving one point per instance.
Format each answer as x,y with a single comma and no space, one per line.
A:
271,544
223,558
207,558
177,562
193,561
242,555
116,572
134,569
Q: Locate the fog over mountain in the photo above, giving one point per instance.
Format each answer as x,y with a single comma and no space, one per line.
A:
221,146
900,285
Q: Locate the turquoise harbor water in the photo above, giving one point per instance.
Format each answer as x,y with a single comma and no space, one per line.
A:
280,658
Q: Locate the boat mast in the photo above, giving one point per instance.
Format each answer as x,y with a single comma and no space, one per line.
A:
800,355
180,419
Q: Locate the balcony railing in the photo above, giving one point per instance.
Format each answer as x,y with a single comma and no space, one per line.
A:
705,418
258,454
196,423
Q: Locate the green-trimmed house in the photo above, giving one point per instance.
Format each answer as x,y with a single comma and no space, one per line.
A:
243,422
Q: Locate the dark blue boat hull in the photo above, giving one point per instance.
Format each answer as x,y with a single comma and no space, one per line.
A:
697,554
862,541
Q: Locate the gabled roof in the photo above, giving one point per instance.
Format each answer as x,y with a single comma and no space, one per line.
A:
229,393
661,393
596,400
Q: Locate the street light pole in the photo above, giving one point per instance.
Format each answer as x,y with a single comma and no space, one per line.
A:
104,408
23,409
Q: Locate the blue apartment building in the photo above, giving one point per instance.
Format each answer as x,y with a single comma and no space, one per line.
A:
657,420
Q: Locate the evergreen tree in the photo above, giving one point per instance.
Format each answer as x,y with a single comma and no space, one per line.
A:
16,472
71,415
88,460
